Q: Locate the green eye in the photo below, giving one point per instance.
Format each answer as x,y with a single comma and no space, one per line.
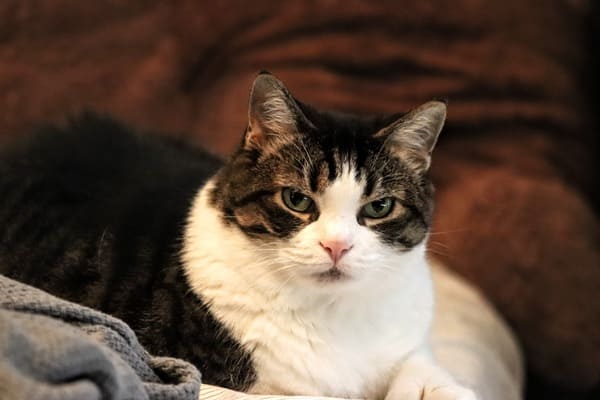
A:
296,201
378,208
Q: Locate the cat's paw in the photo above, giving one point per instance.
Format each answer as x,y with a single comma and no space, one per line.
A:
416,391
448,392
419,378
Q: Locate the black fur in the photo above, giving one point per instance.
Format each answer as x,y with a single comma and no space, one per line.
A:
94,214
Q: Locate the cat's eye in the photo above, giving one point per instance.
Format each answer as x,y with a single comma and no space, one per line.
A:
296,200
378,208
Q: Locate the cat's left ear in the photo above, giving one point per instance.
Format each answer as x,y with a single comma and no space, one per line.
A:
414,135
273,114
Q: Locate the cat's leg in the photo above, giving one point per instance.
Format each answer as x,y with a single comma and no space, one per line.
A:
419,378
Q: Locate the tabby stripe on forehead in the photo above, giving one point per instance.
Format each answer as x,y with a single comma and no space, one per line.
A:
361,157
331,165
370,186
314,177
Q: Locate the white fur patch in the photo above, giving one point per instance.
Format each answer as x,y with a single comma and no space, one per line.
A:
342,338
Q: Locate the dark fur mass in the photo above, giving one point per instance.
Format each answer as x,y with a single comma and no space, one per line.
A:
94,214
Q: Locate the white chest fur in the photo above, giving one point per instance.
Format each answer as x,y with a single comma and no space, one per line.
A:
339,342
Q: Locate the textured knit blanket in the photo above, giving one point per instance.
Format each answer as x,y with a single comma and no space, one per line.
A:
54,349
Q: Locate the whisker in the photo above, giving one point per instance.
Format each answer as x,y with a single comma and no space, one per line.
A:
436,243
438,252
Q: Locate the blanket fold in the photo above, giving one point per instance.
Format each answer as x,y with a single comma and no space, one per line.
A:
54,349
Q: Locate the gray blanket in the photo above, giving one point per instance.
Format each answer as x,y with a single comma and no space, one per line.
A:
53,349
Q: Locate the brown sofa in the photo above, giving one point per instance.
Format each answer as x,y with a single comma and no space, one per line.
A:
515,169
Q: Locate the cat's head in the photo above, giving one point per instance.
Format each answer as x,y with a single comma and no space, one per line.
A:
331,198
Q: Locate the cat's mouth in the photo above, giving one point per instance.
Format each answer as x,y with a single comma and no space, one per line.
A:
333,274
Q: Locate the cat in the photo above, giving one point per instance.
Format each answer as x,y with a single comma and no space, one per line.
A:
295,267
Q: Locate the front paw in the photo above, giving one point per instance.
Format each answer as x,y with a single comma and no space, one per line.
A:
413,390
447,392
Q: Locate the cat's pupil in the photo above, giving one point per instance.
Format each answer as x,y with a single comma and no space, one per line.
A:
297,198
379,205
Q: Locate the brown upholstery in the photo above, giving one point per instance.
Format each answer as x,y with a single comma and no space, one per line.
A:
513,168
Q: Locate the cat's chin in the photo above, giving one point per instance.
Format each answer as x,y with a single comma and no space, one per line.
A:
332,275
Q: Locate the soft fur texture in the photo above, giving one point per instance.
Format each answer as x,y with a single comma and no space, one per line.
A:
333,298
309,337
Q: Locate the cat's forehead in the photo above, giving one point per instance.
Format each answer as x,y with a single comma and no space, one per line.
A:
345,191
315,162
347,171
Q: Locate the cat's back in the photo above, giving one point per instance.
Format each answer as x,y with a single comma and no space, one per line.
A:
91,202
94,156
94,213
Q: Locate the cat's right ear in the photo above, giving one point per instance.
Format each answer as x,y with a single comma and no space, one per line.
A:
273,114
414,135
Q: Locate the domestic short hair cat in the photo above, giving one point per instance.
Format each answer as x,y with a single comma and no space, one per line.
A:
296,267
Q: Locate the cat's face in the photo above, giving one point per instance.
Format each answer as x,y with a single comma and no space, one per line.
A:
330,198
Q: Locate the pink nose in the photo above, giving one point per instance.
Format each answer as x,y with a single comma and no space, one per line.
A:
336,249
